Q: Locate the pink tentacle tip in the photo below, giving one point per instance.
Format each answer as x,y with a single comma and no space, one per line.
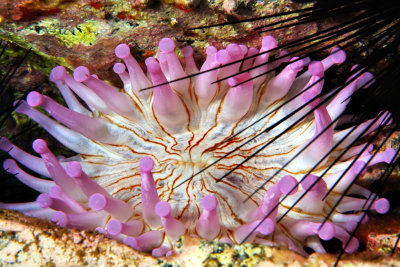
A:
40,146
365,80
122,51
338,56
81,74
166,45
351,246
223,56
369,148
97,202
310,183
252,51
60,218
173,228
21,106
74,169
160,252
234,51
119,68
269,42
359,167
239,79
389,155
316,68
266,227
296,64
187,51
34,99
244,49
152,65
208,225
114,227
163,209
58,73
210,50
209,202
288,185
327,231
9,165
146,164
44,200
381,206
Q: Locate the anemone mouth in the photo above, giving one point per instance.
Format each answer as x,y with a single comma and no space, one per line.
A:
247,159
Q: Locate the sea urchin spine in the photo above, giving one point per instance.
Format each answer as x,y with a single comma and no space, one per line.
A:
135,146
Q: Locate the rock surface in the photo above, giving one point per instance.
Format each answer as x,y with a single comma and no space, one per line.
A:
26,241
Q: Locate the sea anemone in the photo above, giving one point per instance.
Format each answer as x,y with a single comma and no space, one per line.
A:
255,157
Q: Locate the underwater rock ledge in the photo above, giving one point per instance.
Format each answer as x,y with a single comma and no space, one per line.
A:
26,241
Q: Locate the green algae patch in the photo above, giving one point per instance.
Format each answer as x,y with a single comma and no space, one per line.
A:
223,254
84,33
35,58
